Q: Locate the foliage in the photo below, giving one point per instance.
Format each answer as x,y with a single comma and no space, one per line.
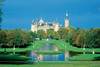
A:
50,33
18,37
1,12
56,36
41,34
18,40
3,37
10,37
93,38
33,34
63,32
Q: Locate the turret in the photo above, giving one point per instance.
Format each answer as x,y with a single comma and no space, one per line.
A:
56,27
41,21
66,20
34,25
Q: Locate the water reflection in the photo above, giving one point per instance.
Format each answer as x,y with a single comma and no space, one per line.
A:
44,57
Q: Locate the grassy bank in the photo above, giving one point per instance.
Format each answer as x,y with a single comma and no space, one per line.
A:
57,64
13,57
60,44
30,47
66,46
85,57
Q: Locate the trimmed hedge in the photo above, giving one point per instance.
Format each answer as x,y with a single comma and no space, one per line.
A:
13,57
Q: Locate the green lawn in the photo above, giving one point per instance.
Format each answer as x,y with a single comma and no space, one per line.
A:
57,64
86,57
60,44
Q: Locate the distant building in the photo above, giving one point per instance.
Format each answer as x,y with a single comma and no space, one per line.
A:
38,25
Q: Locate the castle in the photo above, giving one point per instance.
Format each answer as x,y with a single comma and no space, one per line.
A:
38,25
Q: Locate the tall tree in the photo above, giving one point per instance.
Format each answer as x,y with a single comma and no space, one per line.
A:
50,33
3,37
93,38
33,34
63,32
18,38
1,12
78,38
71,30
10,37
41,34
56,36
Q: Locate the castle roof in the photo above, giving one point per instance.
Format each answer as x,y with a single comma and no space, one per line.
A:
50,24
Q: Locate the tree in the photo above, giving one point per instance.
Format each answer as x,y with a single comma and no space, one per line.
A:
3,37
33,34
93,38
41,34
71,30
97,37
63,32
50,33
56,36
1,12
78,37
18,38
10,37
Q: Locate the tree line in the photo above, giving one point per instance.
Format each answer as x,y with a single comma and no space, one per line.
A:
76,37
18,38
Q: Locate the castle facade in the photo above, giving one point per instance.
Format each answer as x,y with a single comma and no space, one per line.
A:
38,25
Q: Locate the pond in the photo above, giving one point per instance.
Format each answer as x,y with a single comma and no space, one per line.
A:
46,57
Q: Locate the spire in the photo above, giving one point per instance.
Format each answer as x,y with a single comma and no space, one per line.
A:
41,20
32,21
36,21
56,20
66,14
66,20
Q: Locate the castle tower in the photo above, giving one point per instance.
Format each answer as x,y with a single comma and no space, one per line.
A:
34,25
41,21
56,27
66,20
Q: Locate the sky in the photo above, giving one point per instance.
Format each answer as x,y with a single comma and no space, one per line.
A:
81,13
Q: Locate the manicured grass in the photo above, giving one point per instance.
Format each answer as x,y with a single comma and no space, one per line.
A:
13,57
85,57
49,52
60,44
57,64
30,47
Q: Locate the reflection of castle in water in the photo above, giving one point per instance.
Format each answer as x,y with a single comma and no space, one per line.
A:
46,47
38,25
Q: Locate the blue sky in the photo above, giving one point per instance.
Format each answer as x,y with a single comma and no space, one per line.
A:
19,13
